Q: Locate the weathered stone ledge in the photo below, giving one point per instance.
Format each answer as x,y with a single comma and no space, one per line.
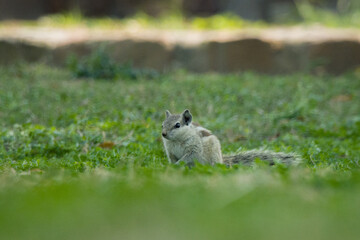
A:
274,50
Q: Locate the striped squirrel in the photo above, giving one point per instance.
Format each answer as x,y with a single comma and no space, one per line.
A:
186,141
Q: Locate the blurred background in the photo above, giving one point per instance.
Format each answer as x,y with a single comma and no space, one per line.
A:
267,36
267,10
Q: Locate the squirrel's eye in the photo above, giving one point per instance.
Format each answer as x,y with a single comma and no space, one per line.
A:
177,125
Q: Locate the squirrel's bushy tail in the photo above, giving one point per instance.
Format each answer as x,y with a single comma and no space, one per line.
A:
247,157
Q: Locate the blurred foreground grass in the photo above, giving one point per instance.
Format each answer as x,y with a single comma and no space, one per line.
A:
175,204
82,159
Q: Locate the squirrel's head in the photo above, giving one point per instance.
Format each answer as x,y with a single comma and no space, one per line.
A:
175,125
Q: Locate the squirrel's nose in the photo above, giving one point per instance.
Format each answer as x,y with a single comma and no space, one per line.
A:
164,134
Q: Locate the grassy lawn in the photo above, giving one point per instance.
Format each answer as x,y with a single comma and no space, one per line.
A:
83,158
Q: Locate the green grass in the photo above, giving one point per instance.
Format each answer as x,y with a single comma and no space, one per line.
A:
59,181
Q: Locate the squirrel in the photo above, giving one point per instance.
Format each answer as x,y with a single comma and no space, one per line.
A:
187,142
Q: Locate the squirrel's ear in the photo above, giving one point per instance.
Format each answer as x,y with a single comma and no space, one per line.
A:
187,117
167,113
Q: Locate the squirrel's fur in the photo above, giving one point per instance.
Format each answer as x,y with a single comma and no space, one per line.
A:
185,141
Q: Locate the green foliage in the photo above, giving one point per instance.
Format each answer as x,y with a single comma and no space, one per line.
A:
99,65
70,18
223,21
306,12
87,156
346,15
171,20
218,22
